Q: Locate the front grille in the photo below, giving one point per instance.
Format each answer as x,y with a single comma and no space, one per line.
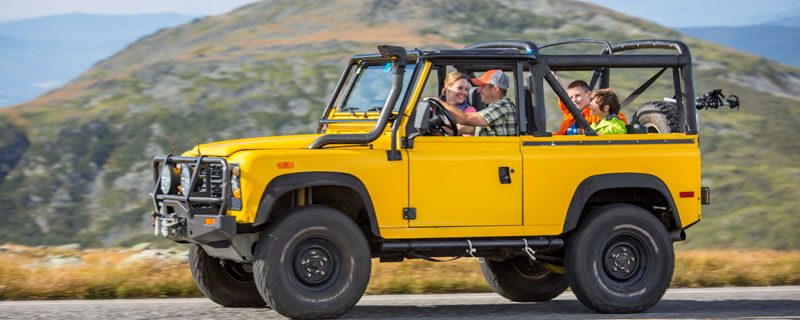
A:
210,182
216,180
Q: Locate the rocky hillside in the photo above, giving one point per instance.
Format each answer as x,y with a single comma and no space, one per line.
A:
75,163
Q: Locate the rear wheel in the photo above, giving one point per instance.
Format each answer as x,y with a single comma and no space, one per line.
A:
314,262
523,280
658,117
619,259
225,282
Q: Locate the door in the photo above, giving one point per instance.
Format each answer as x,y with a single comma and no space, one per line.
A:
465,181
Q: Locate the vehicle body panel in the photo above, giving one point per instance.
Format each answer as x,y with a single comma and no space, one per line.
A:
553,173
456,183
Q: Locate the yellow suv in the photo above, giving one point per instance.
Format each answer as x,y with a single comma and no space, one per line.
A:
293,222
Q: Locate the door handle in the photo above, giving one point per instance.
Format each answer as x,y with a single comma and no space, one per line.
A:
505,175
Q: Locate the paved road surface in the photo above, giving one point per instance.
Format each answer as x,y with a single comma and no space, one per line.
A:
717,303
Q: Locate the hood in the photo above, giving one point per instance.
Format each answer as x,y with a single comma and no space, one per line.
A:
226,148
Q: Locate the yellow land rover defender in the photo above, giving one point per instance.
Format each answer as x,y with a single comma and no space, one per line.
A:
294,222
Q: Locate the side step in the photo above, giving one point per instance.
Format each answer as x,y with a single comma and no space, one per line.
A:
467,244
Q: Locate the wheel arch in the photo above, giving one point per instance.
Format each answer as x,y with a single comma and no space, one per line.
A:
602,187
328,183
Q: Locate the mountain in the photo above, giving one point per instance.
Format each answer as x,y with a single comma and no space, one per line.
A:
787,22
778,40
75,164
40,54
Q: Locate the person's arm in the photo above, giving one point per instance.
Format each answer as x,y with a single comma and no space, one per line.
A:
462,129
564,110
555,75
464,118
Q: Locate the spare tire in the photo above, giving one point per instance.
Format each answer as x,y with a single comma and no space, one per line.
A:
658,117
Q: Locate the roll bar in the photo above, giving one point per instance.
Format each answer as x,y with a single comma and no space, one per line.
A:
558,43
527,46
686,114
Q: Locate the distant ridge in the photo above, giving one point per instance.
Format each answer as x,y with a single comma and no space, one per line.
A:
779,40
40,54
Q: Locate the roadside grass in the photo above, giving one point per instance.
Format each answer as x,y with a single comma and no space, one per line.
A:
98,274
102,273
716,268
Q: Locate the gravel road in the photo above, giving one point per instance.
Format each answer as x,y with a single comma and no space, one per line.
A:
718,303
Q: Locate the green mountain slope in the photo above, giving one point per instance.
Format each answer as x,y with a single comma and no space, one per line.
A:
75,164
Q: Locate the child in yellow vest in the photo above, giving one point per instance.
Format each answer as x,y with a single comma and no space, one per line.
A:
605,106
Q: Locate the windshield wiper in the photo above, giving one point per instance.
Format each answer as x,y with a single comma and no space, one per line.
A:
372,109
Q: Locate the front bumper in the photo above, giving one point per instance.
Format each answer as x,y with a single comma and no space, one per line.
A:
198,214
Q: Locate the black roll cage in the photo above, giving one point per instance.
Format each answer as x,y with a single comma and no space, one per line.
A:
526,56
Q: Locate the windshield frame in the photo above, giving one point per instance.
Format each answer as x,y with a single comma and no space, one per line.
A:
361,77
343,87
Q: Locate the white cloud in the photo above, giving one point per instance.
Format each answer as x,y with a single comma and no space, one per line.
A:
48,84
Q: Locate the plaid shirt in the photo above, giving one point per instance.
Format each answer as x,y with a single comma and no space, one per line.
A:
502,118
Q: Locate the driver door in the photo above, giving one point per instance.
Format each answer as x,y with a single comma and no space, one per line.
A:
465,181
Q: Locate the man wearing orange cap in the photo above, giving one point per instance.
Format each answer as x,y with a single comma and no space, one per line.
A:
498,118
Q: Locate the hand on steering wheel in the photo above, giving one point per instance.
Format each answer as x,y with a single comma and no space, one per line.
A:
451,123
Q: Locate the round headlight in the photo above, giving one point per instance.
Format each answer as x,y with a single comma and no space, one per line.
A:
168,175
186,178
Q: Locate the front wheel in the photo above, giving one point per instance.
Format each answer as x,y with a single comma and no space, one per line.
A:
619,259
225,282
314,262
523,280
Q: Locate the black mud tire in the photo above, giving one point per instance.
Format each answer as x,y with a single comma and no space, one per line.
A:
225,282
658,117
619,259
522,280
313,262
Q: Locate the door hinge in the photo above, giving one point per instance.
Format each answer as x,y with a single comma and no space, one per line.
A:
409,213
406,143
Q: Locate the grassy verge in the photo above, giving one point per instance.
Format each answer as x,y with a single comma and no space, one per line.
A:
29,273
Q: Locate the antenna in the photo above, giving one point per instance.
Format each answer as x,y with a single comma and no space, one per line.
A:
173,147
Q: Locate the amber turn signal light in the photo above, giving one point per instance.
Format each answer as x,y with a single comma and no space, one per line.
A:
285,165
209,221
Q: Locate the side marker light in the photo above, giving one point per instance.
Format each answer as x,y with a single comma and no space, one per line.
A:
285,165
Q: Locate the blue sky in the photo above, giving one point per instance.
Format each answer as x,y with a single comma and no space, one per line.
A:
23,9
670,13
697,13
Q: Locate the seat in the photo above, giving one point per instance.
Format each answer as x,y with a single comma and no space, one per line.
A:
475,99
636,128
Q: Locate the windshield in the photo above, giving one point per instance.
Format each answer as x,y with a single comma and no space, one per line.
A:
369,88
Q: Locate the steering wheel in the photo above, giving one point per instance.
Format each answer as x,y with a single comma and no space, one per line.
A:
440,124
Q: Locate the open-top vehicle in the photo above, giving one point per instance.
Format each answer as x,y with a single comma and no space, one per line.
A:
294,221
